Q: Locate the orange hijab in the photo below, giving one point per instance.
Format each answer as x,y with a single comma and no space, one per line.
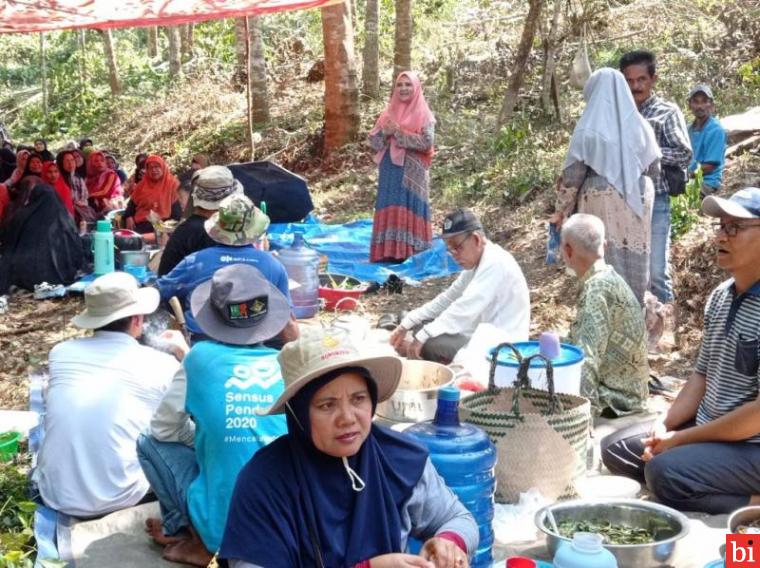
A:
159,195
411,116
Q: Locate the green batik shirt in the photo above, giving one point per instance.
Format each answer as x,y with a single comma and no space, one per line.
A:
610,329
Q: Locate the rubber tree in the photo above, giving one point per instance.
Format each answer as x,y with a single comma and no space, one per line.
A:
341,92
518,70
370,68
175,56
402,53
113,70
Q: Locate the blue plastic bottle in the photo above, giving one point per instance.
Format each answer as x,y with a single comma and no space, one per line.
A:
102,246
302,266
585,551
465,457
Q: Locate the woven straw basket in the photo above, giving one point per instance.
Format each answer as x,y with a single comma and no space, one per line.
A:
541,437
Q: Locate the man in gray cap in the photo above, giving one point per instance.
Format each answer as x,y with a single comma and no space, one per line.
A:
101,394
206,427
491,289
703,455
210,186
708,140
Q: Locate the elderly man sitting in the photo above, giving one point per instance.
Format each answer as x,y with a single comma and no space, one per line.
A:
491,289
609,325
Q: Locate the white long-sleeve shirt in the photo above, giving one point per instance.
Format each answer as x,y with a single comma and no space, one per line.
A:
494,292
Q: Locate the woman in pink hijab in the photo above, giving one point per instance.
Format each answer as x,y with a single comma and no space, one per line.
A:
403,140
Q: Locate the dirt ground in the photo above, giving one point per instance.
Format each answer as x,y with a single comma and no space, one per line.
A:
29,329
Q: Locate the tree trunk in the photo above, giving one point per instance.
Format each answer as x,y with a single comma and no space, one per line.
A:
81,42
175,60
550,61
371,71
43,66
523,51
258,72
241,73
152,33
341,93
113,70
186,41
402,55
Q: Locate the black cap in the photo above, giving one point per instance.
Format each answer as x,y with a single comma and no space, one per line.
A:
458,222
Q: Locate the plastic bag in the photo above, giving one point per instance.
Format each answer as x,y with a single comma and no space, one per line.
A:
552,245
581,70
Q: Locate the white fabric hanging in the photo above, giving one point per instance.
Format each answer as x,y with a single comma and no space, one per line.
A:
612,137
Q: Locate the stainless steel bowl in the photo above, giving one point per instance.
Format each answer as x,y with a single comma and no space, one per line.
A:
743,516
416,397
632,512
135,257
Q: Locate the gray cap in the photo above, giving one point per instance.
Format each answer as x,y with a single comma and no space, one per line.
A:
701,88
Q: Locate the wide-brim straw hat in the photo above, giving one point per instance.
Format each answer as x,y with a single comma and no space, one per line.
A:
112,297
318,351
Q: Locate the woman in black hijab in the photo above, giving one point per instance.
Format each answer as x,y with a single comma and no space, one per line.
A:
39,243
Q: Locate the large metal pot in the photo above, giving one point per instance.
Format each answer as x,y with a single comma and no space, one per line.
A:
630,512
415,399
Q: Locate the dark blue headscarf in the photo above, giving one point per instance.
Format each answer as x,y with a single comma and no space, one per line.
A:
292,500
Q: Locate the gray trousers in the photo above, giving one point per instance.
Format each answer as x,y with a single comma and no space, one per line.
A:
443,348
711,477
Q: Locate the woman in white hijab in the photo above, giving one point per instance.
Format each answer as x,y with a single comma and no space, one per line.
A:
612,159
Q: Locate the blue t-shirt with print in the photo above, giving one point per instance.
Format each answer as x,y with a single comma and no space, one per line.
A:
709,145
198,267
226,384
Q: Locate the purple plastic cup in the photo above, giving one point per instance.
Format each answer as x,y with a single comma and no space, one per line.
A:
548,345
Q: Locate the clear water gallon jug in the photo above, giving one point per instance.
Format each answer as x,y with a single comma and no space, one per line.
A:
584,551
102,246
465,457
302,265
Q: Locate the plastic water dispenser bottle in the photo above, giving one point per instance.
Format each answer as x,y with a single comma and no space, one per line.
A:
585,551
301,264
102,246
465,457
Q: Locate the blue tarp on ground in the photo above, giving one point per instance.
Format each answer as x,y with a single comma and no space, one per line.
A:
347,249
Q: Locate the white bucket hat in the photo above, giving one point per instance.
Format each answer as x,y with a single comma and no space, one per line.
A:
212,184
115,296
318,351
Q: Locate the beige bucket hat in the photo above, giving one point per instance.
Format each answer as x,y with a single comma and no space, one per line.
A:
115,296
212,184
237,223
318,351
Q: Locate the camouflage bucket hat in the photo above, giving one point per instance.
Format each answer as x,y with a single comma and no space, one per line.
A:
237,223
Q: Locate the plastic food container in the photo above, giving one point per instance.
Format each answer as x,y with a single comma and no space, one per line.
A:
8,445
567,367
340,298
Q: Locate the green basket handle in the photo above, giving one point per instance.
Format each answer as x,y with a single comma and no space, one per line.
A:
523,382
494,362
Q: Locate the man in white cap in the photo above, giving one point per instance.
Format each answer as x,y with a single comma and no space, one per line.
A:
210,186
235,228
703,455
101,394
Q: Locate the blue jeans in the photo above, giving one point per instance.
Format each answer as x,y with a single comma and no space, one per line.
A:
659,269
170,468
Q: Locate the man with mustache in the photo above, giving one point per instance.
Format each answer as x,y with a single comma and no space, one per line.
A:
667,121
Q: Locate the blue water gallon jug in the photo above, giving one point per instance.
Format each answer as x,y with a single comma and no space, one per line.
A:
102,247
302,266
584,551
465,457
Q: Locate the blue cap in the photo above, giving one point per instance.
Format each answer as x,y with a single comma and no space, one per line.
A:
744,204
448,393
